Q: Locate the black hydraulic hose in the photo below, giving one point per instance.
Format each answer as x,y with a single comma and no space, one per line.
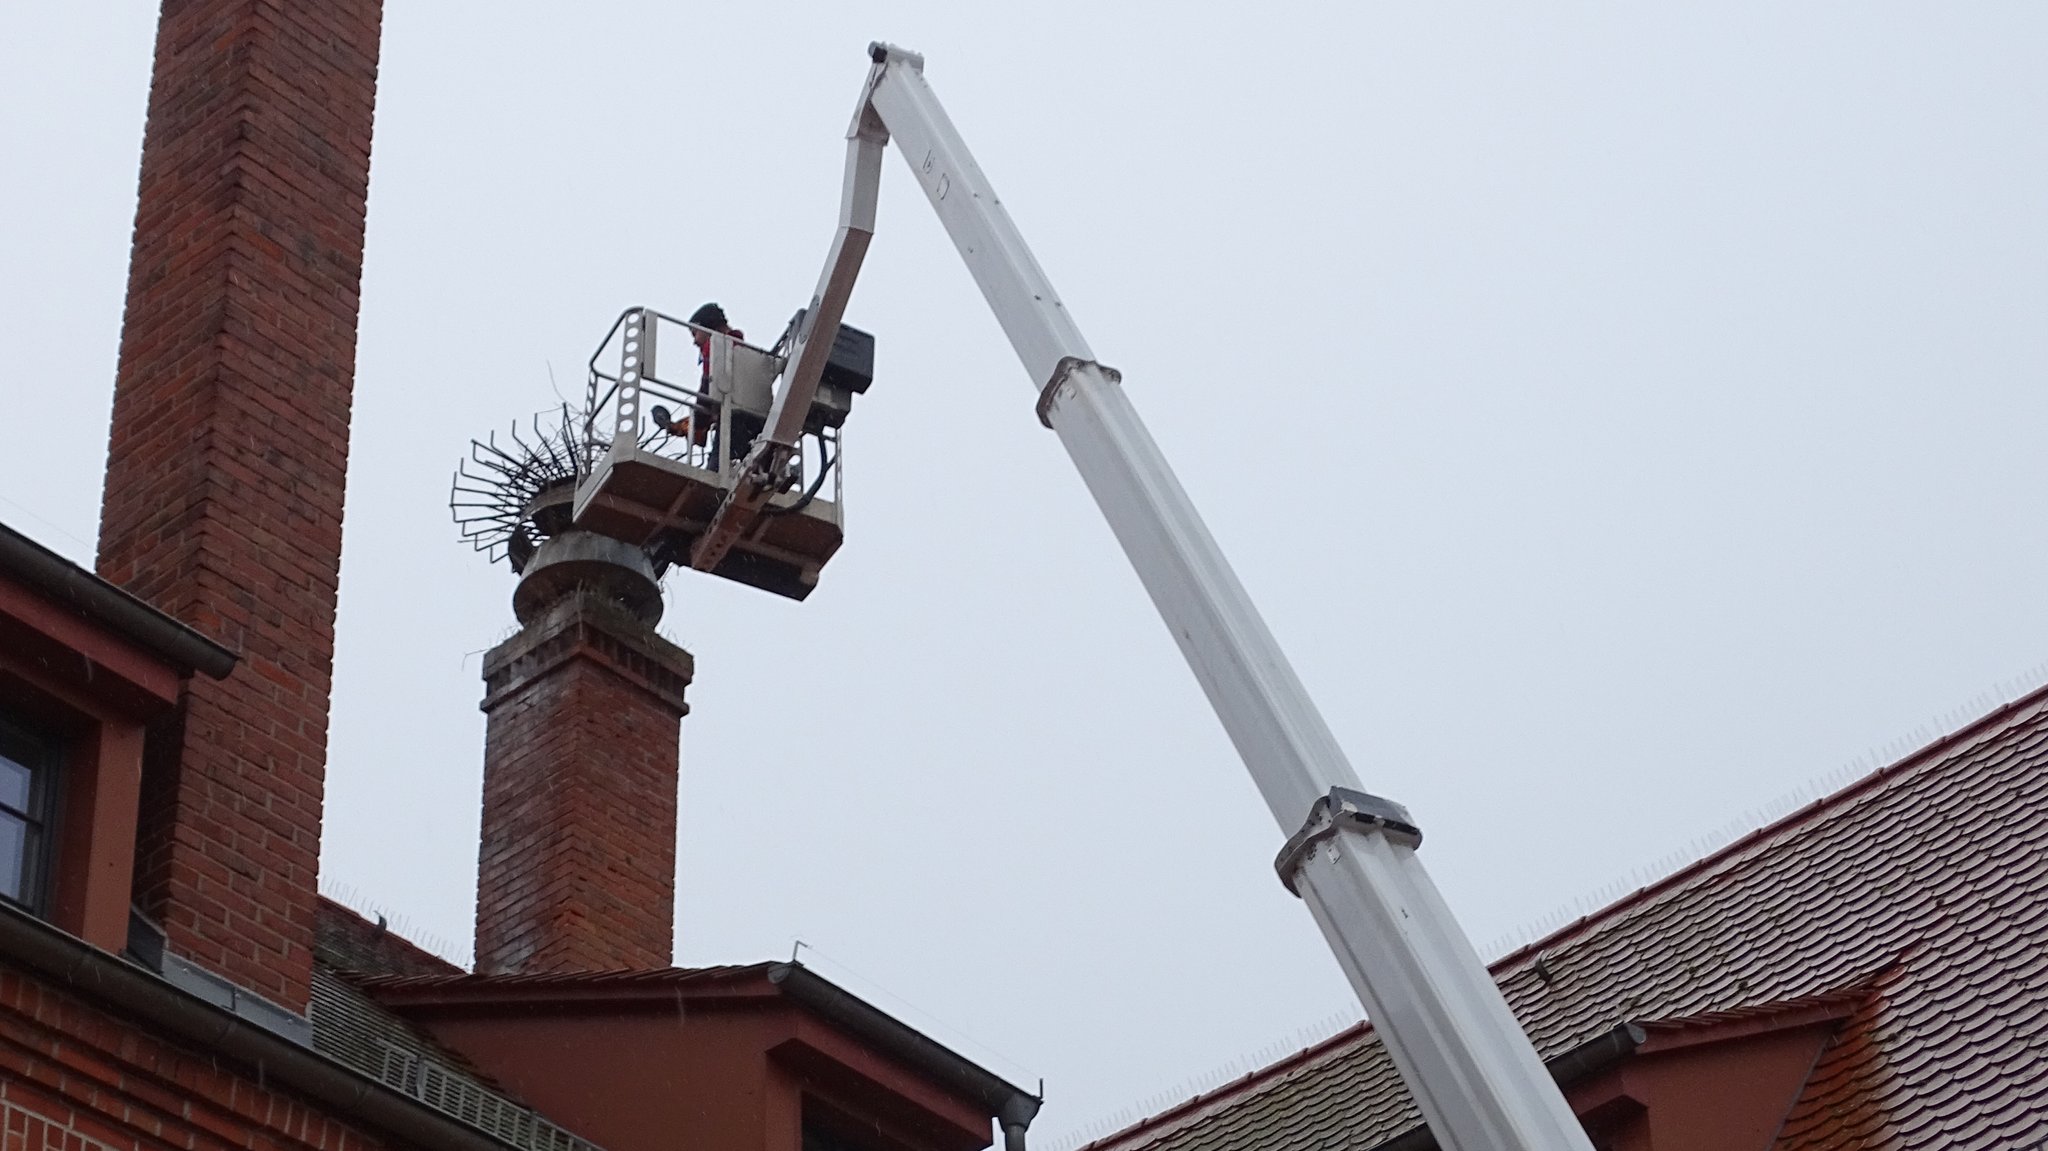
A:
825,463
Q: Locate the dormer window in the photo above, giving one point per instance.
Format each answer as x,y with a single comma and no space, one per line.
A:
85,669
27,767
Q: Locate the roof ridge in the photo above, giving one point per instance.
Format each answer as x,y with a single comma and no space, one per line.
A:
350,900
1807,813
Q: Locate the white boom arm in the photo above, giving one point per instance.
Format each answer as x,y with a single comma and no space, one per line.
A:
763,472
1475,1075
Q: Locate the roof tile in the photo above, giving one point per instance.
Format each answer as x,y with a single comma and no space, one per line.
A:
1934,868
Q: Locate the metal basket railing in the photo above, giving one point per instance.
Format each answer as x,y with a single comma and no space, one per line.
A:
663,387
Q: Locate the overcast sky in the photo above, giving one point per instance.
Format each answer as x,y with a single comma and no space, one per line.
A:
1625,415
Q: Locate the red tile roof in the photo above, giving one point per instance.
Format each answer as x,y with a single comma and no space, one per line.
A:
346,941
1933,871
1826,1007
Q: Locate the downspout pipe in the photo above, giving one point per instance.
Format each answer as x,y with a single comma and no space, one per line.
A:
105,980
1016,1119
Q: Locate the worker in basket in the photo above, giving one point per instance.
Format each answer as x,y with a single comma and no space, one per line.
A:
696,427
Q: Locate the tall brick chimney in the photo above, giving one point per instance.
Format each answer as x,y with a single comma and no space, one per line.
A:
229,450
576,869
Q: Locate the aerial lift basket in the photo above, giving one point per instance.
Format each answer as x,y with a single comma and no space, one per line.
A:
670,412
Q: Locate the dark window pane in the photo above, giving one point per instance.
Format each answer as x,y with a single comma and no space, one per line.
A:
14,784
816,1140
14,842
27,791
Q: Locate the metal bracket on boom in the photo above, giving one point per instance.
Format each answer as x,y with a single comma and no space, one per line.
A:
1051,394
1345,809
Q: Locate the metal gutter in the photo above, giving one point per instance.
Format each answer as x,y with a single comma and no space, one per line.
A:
1012,1106
109,980
104,603
1569,1069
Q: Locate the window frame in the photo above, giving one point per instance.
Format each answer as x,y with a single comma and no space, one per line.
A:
43,755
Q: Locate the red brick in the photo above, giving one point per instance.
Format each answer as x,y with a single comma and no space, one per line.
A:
229,445
576,867
151,1093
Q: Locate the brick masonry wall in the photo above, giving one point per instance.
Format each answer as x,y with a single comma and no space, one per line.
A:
229,449
73,1078
576,869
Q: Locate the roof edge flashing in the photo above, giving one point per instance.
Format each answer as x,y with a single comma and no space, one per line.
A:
106,604
1005,1101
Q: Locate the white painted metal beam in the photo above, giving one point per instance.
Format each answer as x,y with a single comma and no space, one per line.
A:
1474,1073
759,476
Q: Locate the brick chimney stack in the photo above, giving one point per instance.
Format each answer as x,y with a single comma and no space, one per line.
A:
229,451
576,869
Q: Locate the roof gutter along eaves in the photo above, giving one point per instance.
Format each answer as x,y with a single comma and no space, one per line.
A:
1011,1105
110,980
105,603
524,992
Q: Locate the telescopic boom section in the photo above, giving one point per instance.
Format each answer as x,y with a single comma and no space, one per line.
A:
1473,1072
